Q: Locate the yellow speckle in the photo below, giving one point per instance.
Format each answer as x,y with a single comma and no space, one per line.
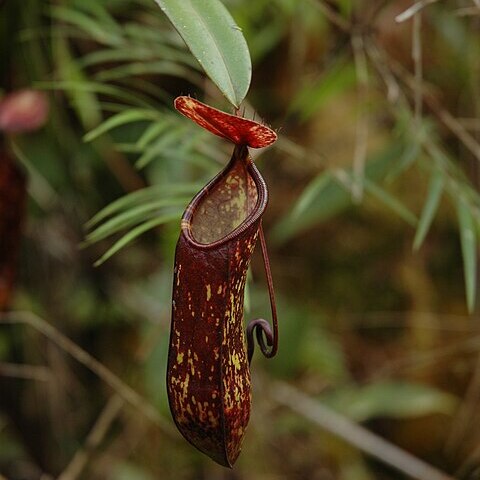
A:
192,366
219,291
178,274
184,385
236,361
209,292
180,358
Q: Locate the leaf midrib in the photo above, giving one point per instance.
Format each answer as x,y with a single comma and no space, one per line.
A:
197,15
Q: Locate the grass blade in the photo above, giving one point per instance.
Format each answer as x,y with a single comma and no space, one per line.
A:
468,242
311,192
87,24
131,217
152,132
161,67
95,87
98,10
122,118
399,208
170,139
136,232
139,197
430,207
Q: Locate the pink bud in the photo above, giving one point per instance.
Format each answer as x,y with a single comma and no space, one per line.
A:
23,111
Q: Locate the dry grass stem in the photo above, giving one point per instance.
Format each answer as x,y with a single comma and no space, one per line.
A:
467,11
121,388
26,372
97,434
413,10
355,434
361,139
418,66
472,124
462,422
394,90
445,117
332,15
422,360
412,82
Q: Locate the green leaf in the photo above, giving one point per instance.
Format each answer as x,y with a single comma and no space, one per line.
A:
98,10
412,152
152,132
435,190
328,199
85,103
122,118
133,216
139,197
128,148
137,53
129,471
311,192
321,352
134,233
96,30
169,139
317,93
96,87
392,400
216,41
468,241
398,207
161,67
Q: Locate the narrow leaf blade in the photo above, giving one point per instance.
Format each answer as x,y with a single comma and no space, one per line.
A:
468,241
398,207
311,192
332,197
133,234
434,195
133,216
139,197
122,118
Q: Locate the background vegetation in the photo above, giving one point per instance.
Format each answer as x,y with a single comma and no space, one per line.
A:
372,229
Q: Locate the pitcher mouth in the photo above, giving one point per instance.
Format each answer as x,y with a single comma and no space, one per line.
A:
240,154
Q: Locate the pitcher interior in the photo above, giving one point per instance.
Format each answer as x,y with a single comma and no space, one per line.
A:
226,205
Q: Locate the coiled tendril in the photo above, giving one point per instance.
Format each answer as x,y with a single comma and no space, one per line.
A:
267,337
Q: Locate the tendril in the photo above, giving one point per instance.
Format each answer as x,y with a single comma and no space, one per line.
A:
267,337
